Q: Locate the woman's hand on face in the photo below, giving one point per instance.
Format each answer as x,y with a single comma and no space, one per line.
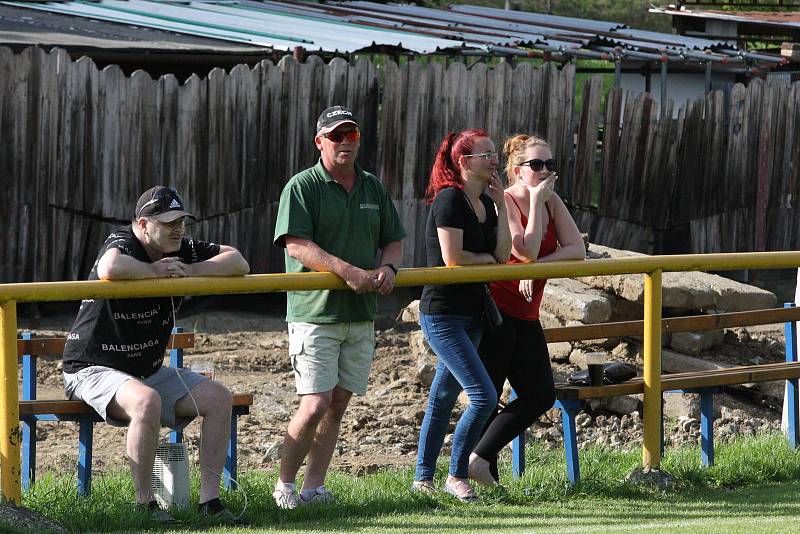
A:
495,190
544,190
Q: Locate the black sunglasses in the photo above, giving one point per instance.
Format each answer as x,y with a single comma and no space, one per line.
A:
537,164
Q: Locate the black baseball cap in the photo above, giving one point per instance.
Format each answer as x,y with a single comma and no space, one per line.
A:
161,203
332,117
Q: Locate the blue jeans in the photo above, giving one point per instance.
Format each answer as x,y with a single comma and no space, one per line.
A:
454,339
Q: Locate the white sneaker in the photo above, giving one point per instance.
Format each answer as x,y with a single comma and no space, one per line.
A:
285,496
320,495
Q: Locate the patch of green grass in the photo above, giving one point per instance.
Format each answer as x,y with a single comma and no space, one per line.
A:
752,488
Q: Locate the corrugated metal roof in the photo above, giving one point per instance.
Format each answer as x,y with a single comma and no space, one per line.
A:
18,29
788,19
354,26
233,21
541,19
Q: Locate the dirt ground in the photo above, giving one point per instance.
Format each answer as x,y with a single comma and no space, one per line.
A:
249,354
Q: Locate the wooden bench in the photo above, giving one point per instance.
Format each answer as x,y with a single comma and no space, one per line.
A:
570,398
33,410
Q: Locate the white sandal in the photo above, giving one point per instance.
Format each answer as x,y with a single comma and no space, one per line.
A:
425,487
285,496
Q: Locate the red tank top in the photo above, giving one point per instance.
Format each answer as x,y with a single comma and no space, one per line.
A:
506,292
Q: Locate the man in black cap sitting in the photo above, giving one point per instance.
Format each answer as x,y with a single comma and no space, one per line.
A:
114,353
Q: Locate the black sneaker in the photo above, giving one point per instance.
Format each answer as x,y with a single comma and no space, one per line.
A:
157,514
214,509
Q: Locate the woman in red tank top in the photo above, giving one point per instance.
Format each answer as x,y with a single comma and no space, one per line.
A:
542,230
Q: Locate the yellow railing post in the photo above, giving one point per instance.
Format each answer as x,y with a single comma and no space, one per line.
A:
651,446
9,405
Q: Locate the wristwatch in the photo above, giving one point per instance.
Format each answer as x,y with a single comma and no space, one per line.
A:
391,266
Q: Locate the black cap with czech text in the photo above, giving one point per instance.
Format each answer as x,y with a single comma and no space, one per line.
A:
161,203
332,117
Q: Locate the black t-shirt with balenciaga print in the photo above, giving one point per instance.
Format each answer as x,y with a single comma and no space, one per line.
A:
130,335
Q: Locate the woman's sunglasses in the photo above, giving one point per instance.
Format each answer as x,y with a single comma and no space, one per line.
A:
487,156
337,137
537,165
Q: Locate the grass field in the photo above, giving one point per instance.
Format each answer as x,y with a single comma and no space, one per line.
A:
755,487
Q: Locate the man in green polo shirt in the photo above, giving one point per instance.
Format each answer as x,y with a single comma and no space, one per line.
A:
332,217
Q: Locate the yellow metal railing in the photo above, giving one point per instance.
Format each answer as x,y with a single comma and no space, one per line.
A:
651,266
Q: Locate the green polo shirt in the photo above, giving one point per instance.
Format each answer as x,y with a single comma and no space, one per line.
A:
351,226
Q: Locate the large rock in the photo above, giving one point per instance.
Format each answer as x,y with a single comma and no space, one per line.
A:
622,404
696,342
682,290
578,358
559,352
678,404
549,320
675,362
409,314
570,299
426,358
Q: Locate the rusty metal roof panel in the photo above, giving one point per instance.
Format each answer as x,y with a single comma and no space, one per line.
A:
435,22
456,19
575,24
601,30
233,22
789,19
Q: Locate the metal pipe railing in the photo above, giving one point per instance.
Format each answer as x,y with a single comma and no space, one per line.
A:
651,266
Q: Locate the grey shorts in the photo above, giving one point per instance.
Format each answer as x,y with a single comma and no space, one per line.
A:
97,385
326,355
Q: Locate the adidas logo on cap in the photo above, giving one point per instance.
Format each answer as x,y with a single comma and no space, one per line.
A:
175,204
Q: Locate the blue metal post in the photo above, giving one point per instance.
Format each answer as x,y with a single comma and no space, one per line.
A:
229,475
569,408
85,439
28,426
707,426
176,361
793,427
518,449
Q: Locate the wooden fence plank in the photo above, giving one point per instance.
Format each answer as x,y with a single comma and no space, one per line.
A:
586,151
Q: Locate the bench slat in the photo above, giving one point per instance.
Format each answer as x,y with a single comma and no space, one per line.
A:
695,323
54,346
74,407
696,379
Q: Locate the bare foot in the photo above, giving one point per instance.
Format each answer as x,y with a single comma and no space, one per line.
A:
479,471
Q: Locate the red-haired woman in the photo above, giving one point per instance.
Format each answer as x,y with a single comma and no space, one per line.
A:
542,230
465,226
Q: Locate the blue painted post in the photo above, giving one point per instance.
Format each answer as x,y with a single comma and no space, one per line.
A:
176,361
518,449
707,426
85,439
229,475
569,408
28,426
792,429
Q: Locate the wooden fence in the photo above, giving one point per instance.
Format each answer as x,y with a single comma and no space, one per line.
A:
721,177
79,144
